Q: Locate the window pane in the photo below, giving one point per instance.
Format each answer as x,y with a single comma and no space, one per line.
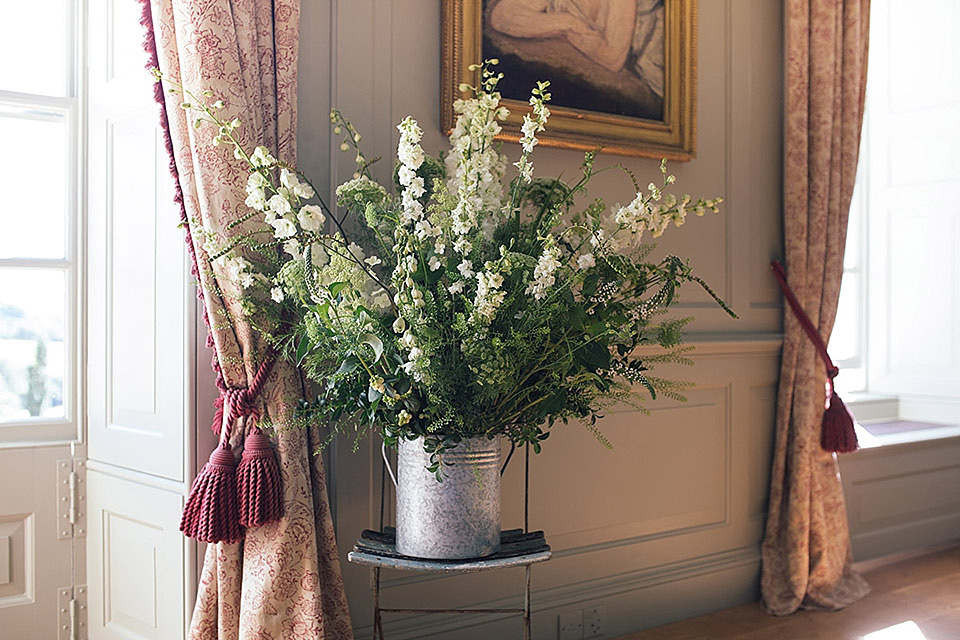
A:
34,183
845,339
34,38
32,332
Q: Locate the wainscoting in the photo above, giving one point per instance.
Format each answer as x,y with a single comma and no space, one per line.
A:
902,496
665,525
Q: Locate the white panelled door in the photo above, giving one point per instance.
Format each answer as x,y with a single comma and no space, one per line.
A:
141,338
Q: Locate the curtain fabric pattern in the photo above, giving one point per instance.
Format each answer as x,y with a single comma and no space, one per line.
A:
806,553
283,580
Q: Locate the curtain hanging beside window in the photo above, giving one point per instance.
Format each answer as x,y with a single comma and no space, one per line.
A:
283,579
807,560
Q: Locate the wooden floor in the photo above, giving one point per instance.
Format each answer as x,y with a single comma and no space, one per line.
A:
914,597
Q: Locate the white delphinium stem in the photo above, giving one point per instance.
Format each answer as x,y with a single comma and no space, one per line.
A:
543,273
474,162
531,126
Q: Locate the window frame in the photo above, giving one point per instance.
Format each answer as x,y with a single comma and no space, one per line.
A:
69,108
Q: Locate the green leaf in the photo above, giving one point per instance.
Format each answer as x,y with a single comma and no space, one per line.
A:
374,342
302,347
336,288
349,364
590,285
594,355
554,403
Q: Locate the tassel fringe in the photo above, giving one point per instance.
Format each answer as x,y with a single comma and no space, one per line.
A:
258,482
211,513
837,432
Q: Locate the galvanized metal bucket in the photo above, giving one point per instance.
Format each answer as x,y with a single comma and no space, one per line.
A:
455,519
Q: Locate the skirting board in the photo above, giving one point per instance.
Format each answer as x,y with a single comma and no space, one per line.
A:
547,603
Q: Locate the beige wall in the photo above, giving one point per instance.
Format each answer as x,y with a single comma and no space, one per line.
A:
668,523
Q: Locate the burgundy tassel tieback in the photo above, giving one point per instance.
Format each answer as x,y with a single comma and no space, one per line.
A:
225,496
837,432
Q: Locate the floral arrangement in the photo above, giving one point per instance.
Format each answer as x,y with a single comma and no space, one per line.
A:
465,303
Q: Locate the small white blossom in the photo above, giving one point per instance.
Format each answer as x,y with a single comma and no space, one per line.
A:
262,158
543,277
292,247
279,204
311,217
283,228
256,199
586,261
277,294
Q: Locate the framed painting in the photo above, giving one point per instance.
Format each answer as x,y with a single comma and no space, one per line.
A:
622,72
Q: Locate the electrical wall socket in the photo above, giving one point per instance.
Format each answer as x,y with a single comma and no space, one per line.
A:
593,621
570,625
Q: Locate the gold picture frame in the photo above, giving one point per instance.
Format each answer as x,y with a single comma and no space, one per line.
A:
616,109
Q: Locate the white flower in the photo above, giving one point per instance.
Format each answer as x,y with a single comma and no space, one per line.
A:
435,263
288,178
399,325
489,297
238,270
292,247
406,175
319,256
283,228
456,287
403,417
262,158
256,181
415,188
377,384
465,268
543,277
356,251
311,217
256,199
279,204
586,261
277,294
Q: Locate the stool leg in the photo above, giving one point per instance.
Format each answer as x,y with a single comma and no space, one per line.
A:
377,620
526,607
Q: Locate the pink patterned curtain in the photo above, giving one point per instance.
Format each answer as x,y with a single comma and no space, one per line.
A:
806,553
283,580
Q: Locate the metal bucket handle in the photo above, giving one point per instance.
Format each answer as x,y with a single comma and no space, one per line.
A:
393,477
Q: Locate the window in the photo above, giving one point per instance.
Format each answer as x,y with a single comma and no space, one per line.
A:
898,324
40,116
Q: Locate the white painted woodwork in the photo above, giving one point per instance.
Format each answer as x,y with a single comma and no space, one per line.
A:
141,313
136,559
138,309
902,496
5,559
913,173
34,561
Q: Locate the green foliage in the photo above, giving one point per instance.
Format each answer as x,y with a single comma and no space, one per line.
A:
465,303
